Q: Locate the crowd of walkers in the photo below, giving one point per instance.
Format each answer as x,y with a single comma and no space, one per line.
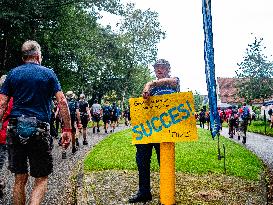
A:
238,118
81,114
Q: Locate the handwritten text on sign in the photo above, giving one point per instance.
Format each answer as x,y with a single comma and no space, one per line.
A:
165,118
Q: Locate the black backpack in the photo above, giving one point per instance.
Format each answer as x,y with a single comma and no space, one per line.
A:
106,110
82,106
114,111
72,105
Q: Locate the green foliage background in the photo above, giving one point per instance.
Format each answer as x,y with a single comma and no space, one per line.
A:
86,56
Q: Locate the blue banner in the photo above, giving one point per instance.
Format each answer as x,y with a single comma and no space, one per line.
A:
210,67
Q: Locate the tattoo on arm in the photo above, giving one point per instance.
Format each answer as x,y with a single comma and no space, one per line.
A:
64,110
3,105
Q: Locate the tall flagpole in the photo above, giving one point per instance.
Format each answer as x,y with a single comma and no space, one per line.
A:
210,67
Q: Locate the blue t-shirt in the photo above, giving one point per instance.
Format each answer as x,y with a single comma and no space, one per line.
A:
32,87
165,89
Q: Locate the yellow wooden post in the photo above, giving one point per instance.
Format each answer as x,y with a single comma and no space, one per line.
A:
167,173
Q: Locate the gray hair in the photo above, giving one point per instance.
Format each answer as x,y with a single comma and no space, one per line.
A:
2,80
82,96
31,48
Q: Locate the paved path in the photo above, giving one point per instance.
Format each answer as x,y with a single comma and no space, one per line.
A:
59,180
261,145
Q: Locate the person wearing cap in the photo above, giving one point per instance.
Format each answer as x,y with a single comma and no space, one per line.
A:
32,87
85,116
74,115
164,84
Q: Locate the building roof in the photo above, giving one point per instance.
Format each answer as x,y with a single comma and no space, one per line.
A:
227,90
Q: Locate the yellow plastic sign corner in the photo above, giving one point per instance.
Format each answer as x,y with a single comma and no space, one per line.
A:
164,118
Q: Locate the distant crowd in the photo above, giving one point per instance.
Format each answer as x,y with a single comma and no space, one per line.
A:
81,114
238,118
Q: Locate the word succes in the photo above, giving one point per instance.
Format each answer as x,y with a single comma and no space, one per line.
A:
165,118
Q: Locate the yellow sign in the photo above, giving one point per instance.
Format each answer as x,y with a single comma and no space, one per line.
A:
164,118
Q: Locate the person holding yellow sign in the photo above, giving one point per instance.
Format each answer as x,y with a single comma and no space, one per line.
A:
165,84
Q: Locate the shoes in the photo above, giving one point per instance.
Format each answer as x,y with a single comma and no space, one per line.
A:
74,149
244,140
85,142
106,132
94,129
1,193
140,198
77,142
63,154
60,142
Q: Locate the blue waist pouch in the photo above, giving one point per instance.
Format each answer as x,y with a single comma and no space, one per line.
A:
26,128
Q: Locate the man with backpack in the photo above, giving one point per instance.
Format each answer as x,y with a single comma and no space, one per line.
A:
106,111
202,118
127,116
244,115
232,122
85,116
114,116
32,87
74,115
96,112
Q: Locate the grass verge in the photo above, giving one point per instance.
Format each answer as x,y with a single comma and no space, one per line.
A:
111,174
200,157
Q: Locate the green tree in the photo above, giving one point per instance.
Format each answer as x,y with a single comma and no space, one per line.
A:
198,101
255,73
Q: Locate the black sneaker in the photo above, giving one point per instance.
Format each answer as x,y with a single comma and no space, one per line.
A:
77,142
74,149
60,142
94,129
63,154
85,142
2,186
106,132
140,198
244,140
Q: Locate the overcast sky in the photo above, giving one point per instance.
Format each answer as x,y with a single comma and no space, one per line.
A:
233,23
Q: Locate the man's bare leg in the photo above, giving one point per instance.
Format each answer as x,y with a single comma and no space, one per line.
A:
19,194
84,133
39,190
